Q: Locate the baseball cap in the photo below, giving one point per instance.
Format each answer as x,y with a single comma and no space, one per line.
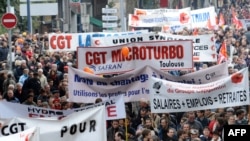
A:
230,109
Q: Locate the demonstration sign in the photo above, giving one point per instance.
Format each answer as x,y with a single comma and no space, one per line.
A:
88,124
163,55
157,17
31,134
138,11
70,41
132,85
203,45
201,17
178,17
115,109
167,96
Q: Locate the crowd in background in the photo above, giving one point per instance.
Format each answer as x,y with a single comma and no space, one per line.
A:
39,78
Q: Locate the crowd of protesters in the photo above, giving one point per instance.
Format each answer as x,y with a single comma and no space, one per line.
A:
39,78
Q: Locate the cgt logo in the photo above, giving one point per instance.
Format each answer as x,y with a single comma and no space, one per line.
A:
60,41
184,17
237,78
97,42
12,128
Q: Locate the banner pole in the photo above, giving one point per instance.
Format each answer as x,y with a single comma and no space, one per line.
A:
126,128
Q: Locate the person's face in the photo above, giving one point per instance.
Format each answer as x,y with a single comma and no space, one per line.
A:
39,102
23,65
19,87
65,84
164,123
143,113
30,99
51,83
221,110
191,116
39,66
40,73
47,88
148,123
199,114
31,74
230,70
186,127
241,116
233,41
170,133
66,106
181,122
121,122
231,120
10,94
243,42
206,132
149,135
115,124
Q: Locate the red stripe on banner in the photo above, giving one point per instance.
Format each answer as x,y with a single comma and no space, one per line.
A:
196,58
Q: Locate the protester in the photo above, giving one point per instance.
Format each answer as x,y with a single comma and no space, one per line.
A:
113,130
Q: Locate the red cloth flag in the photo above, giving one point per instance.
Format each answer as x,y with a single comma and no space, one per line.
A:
236,21
221,20
223,53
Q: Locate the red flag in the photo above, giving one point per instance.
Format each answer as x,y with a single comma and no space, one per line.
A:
223,53
221,20
236,21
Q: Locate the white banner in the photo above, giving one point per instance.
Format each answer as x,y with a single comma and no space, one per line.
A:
178,17
201,17
159,17
70,41
31,134
167,96
88,124
115,109
85,87
203,45
163,55
138,11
